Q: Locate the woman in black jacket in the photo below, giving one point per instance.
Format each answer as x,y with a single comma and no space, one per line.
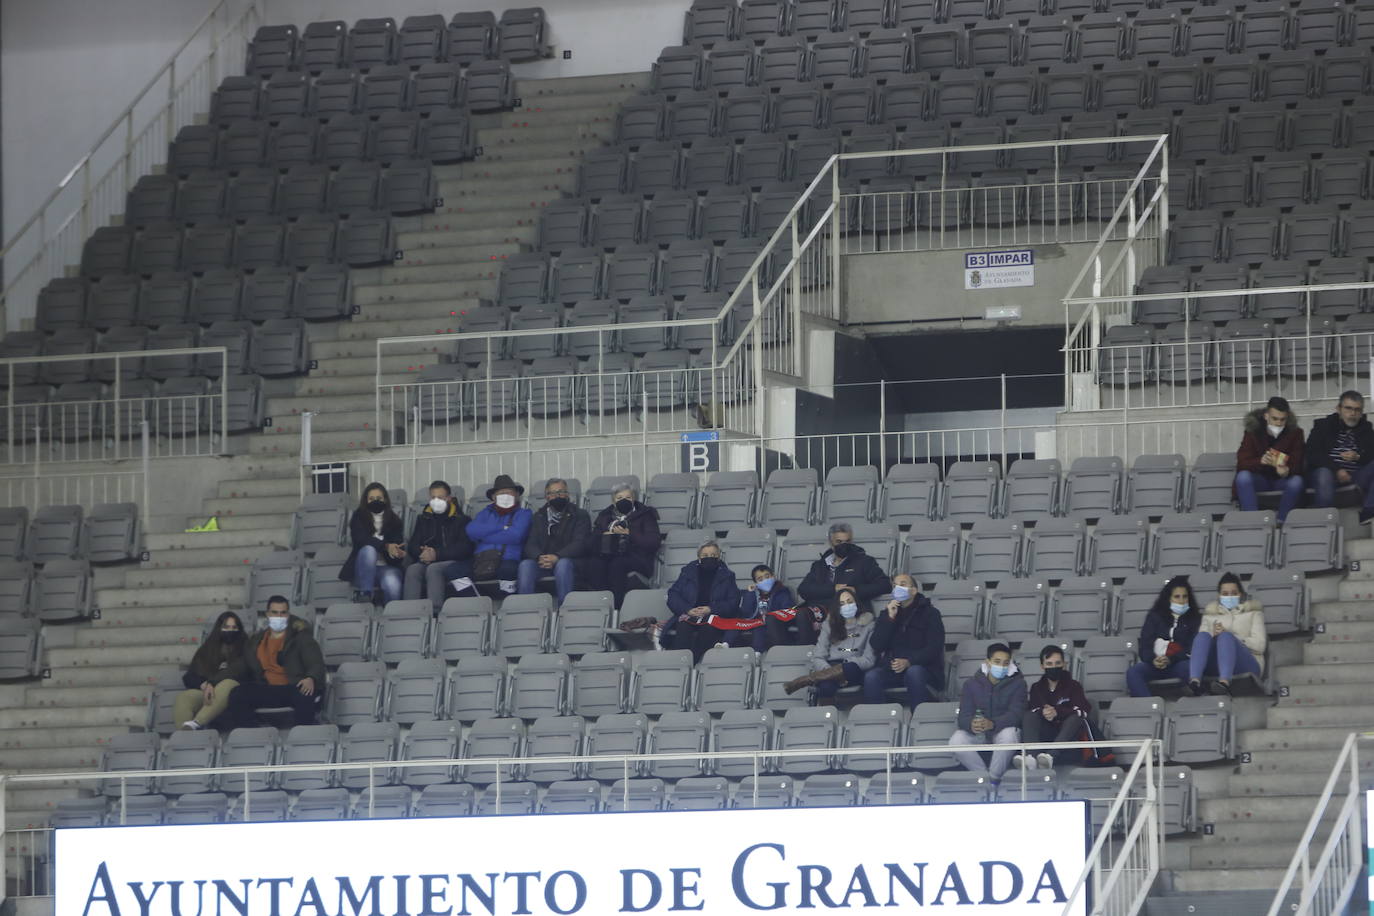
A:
378,548
633,542
1166,637
215,670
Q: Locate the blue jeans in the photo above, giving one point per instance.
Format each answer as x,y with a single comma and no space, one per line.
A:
1139,675
852,675
1248,483
1324,485
918,681
564,577
1222,656
366,574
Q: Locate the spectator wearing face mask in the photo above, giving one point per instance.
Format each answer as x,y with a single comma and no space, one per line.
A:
560,537
1230,640
440,540
844,650
1057,710
285,668
374,566
765,595
1270,457
498,535
843,565
990,708
1166,637
627,539
705,587
909,646
215,670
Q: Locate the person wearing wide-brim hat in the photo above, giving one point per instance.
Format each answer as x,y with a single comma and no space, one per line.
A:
502,526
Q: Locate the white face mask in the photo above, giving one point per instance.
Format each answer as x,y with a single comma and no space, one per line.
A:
1276,431
900,592
505,500
1178,609
1230,602
438,504
277,624
849,611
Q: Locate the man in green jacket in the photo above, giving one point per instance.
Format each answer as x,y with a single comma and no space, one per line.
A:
285,668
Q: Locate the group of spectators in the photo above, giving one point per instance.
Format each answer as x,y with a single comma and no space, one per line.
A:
1274,456
448,554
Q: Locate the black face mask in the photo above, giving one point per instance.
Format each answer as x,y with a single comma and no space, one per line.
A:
624,506
710,564
844,549
558,503
376,506
1054,674
230,635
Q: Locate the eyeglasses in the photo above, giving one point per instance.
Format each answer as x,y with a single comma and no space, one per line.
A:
554,494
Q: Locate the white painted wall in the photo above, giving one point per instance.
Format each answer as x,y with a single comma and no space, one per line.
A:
68,67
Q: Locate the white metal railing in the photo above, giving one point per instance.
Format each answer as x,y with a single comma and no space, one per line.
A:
1117,872
44,422
1194,364
1133,239
93,191
36,488
796,274
1326,885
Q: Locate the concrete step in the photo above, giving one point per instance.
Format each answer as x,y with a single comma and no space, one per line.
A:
522,198
361,384
441,272
487,252
211,556
523,234
492,192
274,487
1255,810
540,117
1225,879
325,443
113,675
322,404
90,736
68,716
287,424
1310,695
1254,855
1356,590
1346,631
1293,676
52,759
189,576
429,292
128,695
1352,718
343,370
1320,653
257,505
143,597
45,797
1317,760
565,86
1359,548
185,635
1277,785
269,527
538,144
364,349
185,615
1283,738
1342,611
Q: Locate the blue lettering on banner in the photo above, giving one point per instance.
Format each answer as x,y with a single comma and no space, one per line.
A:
1024,257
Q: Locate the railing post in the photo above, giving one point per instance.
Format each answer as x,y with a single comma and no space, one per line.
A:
171,101
4,859
1003,421
1163,208
307,422
224,401
760,392
147,467
793,340
882,431
834,240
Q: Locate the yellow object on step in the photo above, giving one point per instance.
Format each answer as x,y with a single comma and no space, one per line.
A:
211,525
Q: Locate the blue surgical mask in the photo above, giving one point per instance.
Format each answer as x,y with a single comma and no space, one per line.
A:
277,624
1178,609
901,592
1230,602
849,611
997,672
766,585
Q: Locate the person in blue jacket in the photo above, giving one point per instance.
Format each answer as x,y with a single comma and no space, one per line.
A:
766,594
1166,637
504,525
705,587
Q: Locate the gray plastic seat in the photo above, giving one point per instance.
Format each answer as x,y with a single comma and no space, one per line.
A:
961,605
464,628
601,683
993,550
875,726
742,731
490,739
112,533
1156,484
309,744
934,550
790,498
1244,541
663,682
1181,541
279,348
579,796
829,790
1133,719
1056,548
1118,545
415,691
322,805
932,724
1093,487
434,740
1283,593
1080,608
444,800
1201,730
807,728
765,792
383,802
54,534
616,735
477,688
700,793
911,492
1102,662
133,754
522,627
970,490
553,736
319,521
16,583
256,747
190,750
541,686
679,733
726,679
1017,609
1311,541
730,500
369,742
356,692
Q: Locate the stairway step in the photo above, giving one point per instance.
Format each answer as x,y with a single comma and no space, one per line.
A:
344,369
1342,611
1293,676
45,797
1319,653
486,253
1260,810
1276,785
1283,738
564,86
215,555
127,695
441,324
1346,631
186,636
363,383
322,404
359,348
1355,590
278,487
323,444
1311,695
90,736
1359,548
541,117
1223,879
522,235
142,597
489,192
419,270
52,759
65,716
113,675
1308,760
1253,855
189,576
251,505
556,143
289,424
1353,718
273,527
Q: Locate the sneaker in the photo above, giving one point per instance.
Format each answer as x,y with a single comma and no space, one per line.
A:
1025,761
191,725
1195,688
1220,689
507,586
1366,516
1045,760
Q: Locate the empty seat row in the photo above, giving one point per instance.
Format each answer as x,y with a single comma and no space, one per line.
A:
1246,348
395,139
135,309
313,240
687,267
108,533
467,38
1174,281
63,589
277,346
259,195
1253,236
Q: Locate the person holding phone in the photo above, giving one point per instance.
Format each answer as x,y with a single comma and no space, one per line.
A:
1231,639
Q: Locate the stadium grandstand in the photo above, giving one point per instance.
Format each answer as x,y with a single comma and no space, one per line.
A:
1062,311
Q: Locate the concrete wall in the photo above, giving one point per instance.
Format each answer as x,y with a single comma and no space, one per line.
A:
903,292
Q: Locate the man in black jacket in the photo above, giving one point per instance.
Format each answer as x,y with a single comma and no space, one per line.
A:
560,535
844,565
1340,452
285,668
909,645
439,540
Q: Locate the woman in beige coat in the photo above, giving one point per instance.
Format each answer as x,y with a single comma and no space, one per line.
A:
1231,639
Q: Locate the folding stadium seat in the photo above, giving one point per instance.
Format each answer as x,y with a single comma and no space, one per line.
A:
680,733
616,735
1209,483
577,275
1341,72
1280,306
645,309
1232,83
403,632
323,46
523,625
251,747
14,525
938,49
781,665
993,550
107,251
1339,180
956,95
1311,541
129,753
1133,719
368,742
1184,353
1100,37
1225,183
152,200
710,22
429,741
422,39
258,245
601,683
970,490
1016,611
285,95
1311,233
572,797
112,533
1099,787
491,739
1208,32
113,302
292,142
187,750
932,724
445,136
383,802
904,98
636,795
472,37
1244,541
618,223
345,632
1158,280
797,107
726,212
54,534
61,304
512,798
1339,303
1262,30
194,148
1118,546
242,146
273,48
490,86
207,246
1356,347
962,606
726,679
521,34
477,687
807,728
790,497
1080,608
442,800
764,792
1201,730
1287,76
678,69
835,57
730,500
553,736
1055,548
322,291
371,43
663,682
198,808
1031,488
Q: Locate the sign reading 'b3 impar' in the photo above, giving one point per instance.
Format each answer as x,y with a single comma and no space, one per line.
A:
1010,858
999,269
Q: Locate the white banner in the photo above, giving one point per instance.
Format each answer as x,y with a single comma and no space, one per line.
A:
1008,858
999,269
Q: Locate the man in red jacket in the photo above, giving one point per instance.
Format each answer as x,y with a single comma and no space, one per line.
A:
1270,457
1056,710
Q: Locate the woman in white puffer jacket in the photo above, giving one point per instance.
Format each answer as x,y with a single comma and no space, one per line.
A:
1231,639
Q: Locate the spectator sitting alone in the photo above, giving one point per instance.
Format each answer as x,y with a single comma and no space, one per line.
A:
215,670
285,668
